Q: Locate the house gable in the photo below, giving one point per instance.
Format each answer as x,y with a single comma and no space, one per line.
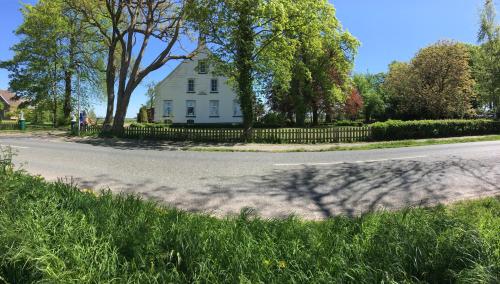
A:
187,94
9,99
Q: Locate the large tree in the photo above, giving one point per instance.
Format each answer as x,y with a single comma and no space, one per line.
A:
436,84
370,88
317,76
127,27
486,61
136,23
242,33
295,51
53,46
97,15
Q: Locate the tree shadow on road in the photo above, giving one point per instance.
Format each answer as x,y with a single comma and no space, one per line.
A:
350,189
137,144
319,191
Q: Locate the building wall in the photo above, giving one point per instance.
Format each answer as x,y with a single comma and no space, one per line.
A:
175,88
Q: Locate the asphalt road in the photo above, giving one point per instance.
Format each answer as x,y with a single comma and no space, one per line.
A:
311,185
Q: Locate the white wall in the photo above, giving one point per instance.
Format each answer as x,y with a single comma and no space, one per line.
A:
174,87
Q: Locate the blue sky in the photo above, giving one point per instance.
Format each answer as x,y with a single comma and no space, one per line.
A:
388,30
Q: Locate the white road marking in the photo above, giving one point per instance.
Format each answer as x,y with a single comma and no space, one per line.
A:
12,146
371,161
309,164
355,162
408,158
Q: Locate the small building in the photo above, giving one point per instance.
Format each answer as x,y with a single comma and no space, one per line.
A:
10,103
192,94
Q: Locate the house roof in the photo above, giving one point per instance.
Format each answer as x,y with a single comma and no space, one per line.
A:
201,48
10,98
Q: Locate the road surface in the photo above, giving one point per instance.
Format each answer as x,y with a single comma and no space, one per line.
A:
311,185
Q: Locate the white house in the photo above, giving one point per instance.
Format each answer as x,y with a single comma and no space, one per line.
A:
191,93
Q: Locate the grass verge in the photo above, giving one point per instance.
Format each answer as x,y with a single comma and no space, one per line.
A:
360,146
58,233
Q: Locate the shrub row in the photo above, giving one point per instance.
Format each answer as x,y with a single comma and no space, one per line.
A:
399,130
149,125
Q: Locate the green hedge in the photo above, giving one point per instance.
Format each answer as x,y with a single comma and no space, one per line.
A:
149,125
398,130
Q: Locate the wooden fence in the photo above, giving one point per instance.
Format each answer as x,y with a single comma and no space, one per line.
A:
257,135
9,126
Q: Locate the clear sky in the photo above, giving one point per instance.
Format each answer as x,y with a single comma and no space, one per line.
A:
388,30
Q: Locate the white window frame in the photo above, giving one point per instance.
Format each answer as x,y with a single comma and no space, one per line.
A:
237,109
190,103
216,89
189,85
203,63
166,111
213,108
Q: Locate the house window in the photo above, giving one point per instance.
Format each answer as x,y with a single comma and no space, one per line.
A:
214,108
167,108
214,86
202,67
190,86
236,108
190,108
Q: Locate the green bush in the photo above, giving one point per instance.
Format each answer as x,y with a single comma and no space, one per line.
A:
399,130
344,123
58,233
142,116
207,125
273,119
149,125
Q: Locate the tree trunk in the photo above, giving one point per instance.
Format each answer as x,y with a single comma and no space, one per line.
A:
300,108
110,87
244,54
328,116
315,115
68,74
121,112
54,111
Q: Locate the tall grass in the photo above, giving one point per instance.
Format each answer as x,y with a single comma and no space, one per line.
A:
58,233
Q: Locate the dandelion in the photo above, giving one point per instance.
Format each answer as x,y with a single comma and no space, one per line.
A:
266,262
281,264
90,191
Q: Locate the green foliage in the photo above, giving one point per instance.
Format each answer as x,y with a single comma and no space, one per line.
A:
436,84
295,52
149,125
151,94
398,130
273,119
54,232
486,59
373,105
315,77
53,44
374,97
142,116
347,123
